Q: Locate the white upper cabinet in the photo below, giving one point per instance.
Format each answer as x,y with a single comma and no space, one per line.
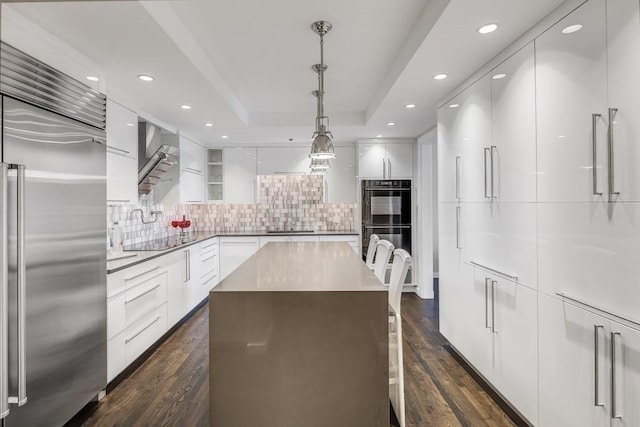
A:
623,54
122,154
385,160
240,174
192,162
275,160
571,96
340,180
449,156
512,156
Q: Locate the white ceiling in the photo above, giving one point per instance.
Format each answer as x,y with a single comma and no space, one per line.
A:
245,66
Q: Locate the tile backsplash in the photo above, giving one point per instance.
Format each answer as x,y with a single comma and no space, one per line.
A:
286,202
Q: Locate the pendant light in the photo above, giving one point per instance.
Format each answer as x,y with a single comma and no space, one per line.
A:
322,147
319,166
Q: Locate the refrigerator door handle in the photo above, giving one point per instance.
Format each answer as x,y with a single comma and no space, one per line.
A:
4,295
21,399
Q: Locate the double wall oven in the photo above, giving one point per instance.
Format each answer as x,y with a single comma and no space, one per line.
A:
386,211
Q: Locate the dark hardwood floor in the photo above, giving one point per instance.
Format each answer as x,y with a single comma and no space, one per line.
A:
171,387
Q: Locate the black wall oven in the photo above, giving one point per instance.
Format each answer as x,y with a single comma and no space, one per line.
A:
386,211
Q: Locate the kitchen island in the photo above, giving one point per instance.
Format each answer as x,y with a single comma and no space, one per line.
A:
299,337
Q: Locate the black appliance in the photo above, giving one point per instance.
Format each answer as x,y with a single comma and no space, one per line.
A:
386,211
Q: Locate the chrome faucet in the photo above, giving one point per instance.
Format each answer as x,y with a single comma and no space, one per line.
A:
152,215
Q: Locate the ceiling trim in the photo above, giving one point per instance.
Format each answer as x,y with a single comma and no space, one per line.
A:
167,19
430,15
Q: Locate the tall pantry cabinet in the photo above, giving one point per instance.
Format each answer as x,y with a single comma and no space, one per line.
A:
554,240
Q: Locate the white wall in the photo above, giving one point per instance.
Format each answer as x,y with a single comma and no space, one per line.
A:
426,224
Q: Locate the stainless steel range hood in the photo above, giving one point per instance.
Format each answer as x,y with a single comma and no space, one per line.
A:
163,158
161,161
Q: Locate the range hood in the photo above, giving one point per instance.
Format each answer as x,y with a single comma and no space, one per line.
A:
161,161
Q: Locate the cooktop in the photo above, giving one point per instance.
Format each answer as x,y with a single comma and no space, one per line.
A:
160,244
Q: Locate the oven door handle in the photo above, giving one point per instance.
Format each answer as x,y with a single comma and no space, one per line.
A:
368,227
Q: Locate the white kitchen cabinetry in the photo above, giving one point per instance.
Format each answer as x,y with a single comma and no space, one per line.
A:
192,160
192,275
462,139
122,154
512,155
209,267
501,338
234,250
340,180
240,174
385,160
352,240
176,265
577,367
279,160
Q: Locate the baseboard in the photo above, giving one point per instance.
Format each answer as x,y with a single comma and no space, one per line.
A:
496,396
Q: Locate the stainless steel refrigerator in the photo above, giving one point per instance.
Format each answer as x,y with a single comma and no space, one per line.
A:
52,264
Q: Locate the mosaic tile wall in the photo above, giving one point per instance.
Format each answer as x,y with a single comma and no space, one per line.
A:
287,202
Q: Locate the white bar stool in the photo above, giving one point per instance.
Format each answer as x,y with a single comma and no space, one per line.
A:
384,250
371,250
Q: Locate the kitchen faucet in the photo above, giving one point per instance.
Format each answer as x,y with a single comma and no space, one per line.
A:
152,214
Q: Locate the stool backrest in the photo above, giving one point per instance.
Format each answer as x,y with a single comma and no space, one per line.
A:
399,269
371,250
383,255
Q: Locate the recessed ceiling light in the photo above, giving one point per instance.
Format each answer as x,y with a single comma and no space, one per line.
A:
454,105
391,124
440,76
186,107
93,78
572,29
499,76
145,78
488,28
208,125
410,106
225,137
130,124
378,136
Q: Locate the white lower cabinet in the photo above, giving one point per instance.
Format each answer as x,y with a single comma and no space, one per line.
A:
581,384
352,240
236,250
500,337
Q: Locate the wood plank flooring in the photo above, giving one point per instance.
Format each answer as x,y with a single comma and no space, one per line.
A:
171,387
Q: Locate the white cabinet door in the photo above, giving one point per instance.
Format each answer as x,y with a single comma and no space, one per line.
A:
591,252
268,239
295,238
240,175
623,55
122,178
372,162
340,180
192,156
513,128
474,135
273,160
567,365
234,251
122,129
515,343
455,278
502,237
449,152
627,375
478,318
191,187
194,294
176,264
399,160
571,86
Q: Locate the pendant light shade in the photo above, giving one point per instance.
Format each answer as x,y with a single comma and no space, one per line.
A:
322,147
319,164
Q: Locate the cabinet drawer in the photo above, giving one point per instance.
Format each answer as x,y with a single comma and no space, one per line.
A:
115,315
209,244
132,276
145,297
209,280
352,240
116,360
143,333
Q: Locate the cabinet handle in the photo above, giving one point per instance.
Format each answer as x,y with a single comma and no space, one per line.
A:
194,201
4,294
128,340
110,147
192,170
486,195
486,302
612,115
493,196
119,200
187,265
208,258
458,177
614,411
493,306
458,227
596,364
127,279
594,140
142,294
384,169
